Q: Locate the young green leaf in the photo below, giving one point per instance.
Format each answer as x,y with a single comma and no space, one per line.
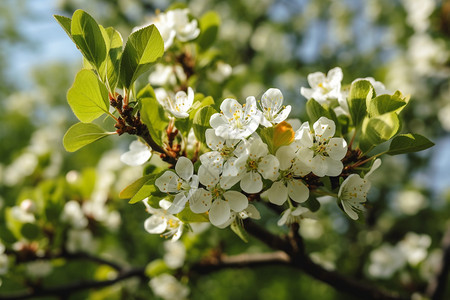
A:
315,110
381,128
154,116
132,189
146,190
65,23
88,37
361,92
240,231
88,97
209,27
201,122
187,216
406,143
109,70
385,104
143,48
82,134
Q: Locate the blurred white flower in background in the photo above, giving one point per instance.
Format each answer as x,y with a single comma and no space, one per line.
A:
385,261
175,253
138,154
168,287
414,247
410,202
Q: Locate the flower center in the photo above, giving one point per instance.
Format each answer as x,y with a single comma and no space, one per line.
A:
217,192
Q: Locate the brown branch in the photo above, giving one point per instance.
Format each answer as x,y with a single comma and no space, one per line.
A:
65,290
436,287
301,261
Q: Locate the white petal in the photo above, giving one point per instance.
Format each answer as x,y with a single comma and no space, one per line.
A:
184,168
213,141
306,92
285,155
324,128
335,75
316,78
219,212
167,182
139,153
252,212
257,148
334,167
273,99
179,202
376,164
231,108
319,165
155,224
208,176
212,159
226,182
269,166
277,193
200,201
297,191
337,148
283,114
251,182
218,120
236,200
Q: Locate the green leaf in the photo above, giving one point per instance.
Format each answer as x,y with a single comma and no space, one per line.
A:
267,134
146,190
361,92
154,116
209,27
65,23
30,231
109,70
82,134
385,104
312,204
201,122
187,216
143,48
315,110
88,37
88,97
132,189
381,128
406,143
240,231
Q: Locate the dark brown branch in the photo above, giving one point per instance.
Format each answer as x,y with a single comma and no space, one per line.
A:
436,287
240,261
65,290
301,261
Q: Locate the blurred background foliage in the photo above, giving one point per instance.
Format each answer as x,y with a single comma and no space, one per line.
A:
268,43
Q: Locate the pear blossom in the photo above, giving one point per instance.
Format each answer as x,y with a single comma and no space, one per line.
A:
221,72
73,214
294,215
166,75
250,212
272,108
222,157
175,253
235,121
353,192
179,104
174,23
287,186
414,247
215,198
161,222
168,287
255,162
324,87
385,261
4,263
138,154
183,183
319,149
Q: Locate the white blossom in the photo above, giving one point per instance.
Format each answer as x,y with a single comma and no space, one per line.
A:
4,264
179,104
385,261
414,247
324,87
319,149
215,198
272,107
183,184
174,255
294,215
73,214
39,268
353,192
235,121
80,240
254,163
287,185
250,212
161,222
166,75
168,287
138,154
220,73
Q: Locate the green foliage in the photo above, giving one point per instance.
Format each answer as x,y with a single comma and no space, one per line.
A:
209,28
88,97
109,70
385,104
379,129
154,116
187,216
240,231
201,122
82,134
361,92
88,37
142,49
406,143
